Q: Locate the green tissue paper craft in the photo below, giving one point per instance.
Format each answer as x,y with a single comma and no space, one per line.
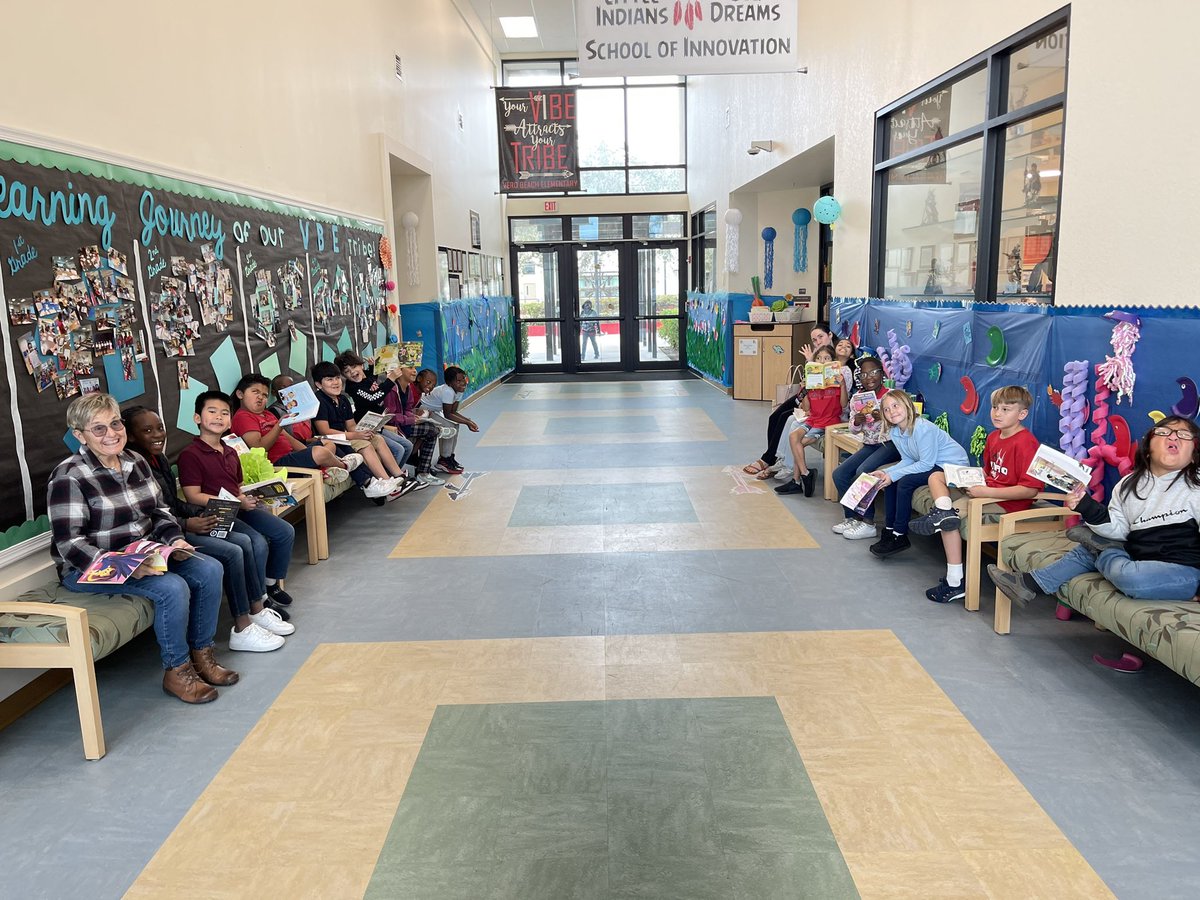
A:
256,467
779,306
943,422
978,443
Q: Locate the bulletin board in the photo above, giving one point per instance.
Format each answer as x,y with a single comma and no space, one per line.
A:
155,289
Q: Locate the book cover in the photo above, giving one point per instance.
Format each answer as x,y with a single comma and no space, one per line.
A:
118,566
237,443
1058,470
225,511
865,403
861,494
820,375
272,492
373,422
300,402
963,476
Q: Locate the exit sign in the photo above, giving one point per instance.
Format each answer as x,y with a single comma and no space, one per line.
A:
550,206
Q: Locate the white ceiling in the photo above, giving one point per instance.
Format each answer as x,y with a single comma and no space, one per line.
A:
555,23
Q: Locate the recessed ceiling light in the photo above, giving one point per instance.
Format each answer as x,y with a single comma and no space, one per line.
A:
518,26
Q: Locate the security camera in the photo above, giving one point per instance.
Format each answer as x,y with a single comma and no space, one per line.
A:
757,147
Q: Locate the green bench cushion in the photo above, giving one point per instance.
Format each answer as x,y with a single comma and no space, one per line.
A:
113,619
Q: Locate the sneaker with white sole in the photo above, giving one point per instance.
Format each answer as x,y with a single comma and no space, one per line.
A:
334,475
269,620
380,487
430,479
352,461
255,639
843,526
861,530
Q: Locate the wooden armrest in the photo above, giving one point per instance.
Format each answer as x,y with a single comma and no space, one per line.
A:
1010,522
32,608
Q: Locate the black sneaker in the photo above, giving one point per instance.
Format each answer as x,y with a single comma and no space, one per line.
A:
281,611
944,593
935,521
789,487
810,483
1081,534
1017,586
278,595
891,544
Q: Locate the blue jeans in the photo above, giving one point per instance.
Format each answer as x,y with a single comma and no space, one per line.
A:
243,557
868,459
897,499
279,535
186,600
400,446
1139,579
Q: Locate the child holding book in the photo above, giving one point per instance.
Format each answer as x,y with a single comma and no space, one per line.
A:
1006,457
257,626
208,465
823,407
442,402
923,448
1146,540
368,393
866,420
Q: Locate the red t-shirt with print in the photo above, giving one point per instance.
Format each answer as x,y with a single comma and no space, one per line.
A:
1005,461
244,421
824,407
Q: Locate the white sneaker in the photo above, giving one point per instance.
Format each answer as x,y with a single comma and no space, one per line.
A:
255,639
380,487
334,475
860,531
843,526
269,620
352,461
449,431
428,478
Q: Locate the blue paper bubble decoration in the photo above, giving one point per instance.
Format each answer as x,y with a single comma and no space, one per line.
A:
768,235
827,210
800,219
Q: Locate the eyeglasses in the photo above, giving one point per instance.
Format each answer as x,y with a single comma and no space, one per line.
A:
1179,433
117,426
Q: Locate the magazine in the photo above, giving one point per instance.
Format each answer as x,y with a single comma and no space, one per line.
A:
1058,470
299,401
225,511
373,422
118,566
963,476
861,494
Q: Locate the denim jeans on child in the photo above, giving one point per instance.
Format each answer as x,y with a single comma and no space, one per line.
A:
897,499
400,446
867,459
1141,580
186,601
243,558
280,536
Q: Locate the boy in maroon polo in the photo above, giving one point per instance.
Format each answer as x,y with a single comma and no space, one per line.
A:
207,465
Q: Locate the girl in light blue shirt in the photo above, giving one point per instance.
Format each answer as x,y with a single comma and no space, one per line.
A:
924,448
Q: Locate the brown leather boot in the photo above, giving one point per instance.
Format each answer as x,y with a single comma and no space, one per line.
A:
184,683
210,670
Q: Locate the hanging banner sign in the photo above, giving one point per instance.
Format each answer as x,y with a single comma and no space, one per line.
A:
539,150
685,37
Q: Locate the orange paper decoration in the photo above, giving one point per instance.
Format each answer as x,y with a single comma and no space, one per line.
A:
385,252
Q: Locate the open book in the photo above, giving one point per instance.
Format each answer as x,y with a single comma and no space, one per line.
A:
299,401
861,494
963,476
373,422
118,566
821,375
273,492
1055,468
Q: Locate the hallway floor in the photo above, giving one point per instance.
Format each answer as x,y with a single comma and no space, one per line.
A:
607,669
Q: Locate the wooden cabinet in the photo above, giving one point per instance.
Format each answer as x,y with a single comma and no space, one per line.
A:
763,355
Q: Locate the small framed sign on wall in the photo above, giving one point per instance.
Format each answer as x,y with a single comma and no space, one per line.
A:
476,231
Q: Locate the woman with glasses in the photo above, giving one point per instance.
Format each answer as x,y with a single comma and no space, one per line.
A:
104,498
1146,541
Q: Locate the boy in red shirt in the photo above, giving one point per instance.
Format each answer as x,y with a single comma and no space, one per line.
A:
1006,456
824,407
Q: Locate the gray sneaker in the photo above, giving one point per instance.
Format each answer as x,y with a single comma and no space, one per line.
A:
935,521
1017,586
1081,534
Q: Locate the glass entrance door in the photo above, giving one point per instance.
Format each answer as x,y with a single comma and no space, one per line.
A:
598,308
539,322
660,285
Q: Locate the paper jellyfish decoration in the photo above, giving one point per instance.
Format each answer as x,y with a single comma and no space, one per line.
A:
800,219
409,222
827,210
733,218
768,236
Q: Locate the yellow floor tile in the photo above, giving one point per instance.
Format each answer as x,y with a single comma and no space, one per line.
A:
672,425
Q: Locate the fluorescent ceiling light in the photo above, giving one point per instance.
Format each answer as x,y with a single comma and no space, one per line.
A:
518,26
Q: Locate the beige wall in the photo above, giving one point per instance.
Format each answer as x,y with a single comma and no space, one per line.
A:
1127,170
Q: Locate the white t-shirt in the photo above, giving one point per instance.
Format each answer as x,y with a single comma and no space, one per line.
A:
442,395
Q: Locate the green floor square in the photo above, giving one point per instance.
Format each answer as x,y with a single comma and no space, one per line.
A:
602,504
607,799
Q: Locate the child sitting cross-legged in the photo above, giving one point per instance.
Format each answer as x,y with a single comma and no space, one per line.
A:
824,408
1006,457
924,448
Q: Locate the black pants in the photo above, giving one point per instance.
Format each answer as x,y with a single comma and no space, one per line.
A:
776,425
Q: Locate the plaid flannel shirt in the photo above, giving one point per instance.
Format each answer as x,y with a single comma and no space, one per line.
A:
94,509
